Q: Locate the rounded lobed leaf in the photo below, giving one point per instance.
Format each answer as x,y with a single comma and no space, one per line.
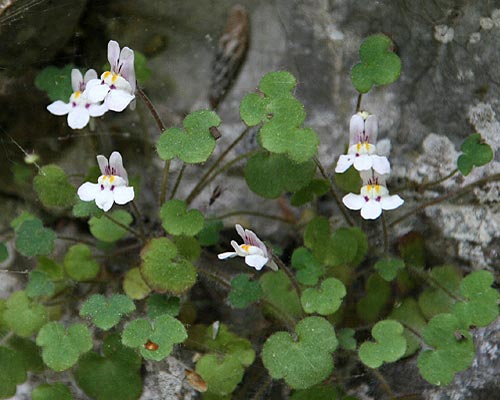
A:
56,82
79,264
83,209
253,109
32,239
28,352
193,145
56,391
346,338
23,316
244,291
13,372
221,375
277,84
317,187
279,291
159,304
305,362
106,312
388,268
53,188
409,314
378,292
176,220
325,300
309,270
163,271
105,230
209,235
39,284
134,285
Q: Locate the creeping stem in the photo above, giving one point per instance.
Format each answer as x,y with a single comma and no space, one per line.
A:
288,273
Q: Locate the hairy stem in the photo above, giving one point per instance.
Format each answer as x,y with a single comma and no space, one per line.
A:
288,273
164,182
358,103
75,240
178,181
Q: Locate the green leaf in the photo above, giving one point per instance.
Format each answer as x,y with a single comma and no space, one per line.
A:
309,270
346,338
165,332
378,292
32,239
325,300
56,82
4,253
106,312
317,187
210,234
481,307
39,284
176,220
304,362
277,84
163,270
390,344
28,352
18,221
221,375
379,64
83,209
388,268
412,249
349,181
53,188
195,143
142,72
13,372
159,304
114,375
62,347
57,391
187,247
105,230
134,285
244,291
279,291
436,299
476,153
409,314
453,350
253,109
269,175
23,316
79,264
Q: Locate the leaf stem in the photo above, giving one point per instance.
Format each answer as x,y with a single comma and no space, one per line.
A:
358,103
288,273
123,226
438,181
164,182
72,239
139,219
178,181
152,109
386,235
434,282
383,382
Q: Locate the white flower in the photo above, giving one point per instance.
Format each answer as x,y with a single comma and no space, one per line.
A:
117,86
362,147
80,108
112,185
256,254
374,198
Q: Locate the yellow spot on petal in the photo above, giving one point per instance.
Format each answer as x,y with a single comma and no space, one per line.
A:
111,179
104,177
377,189
245,247
77,94
114,78
358,147
106,75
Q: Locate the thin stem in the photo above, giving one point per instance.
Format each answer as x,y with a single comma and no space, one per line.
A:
145,133
447,196
201,183
139,219
438,181
72,239
253,213
164,182
383,382
432,281
152,109
334,194
123,226
288,273
358,103
178,181
386,235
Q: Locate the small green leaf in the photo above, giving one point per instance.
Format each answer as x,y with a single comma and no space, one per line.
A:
317,187
142,72
28,352
18,221
378,292
349,181
23,316
79,264
379,64
39,284
304,362
253,109
13,372
160,304
193,145
62,347
176,220
346,338
210,234
53,188
187,247
244,291
4,253
163,270
165,332
409,314
277,84
390,344
325,300
388,268
114,375
221,375
412,249
56,391
56,82
279,291
476,154
134,285
106,312
83,209
269,175
32,239
309,270
105,230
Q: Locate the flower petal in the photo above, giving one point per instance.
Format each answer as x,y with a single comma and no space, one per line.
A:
104,199
96,92
344,163
123,194
371,129
240,231
239,251
229,254
371,210
116,163
381,164
78,117
127,66
117,100
88,191
353,201
97,110
59,108
256,261
76,80
356,127
103,163
113,54
363,162
89,75
391,202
